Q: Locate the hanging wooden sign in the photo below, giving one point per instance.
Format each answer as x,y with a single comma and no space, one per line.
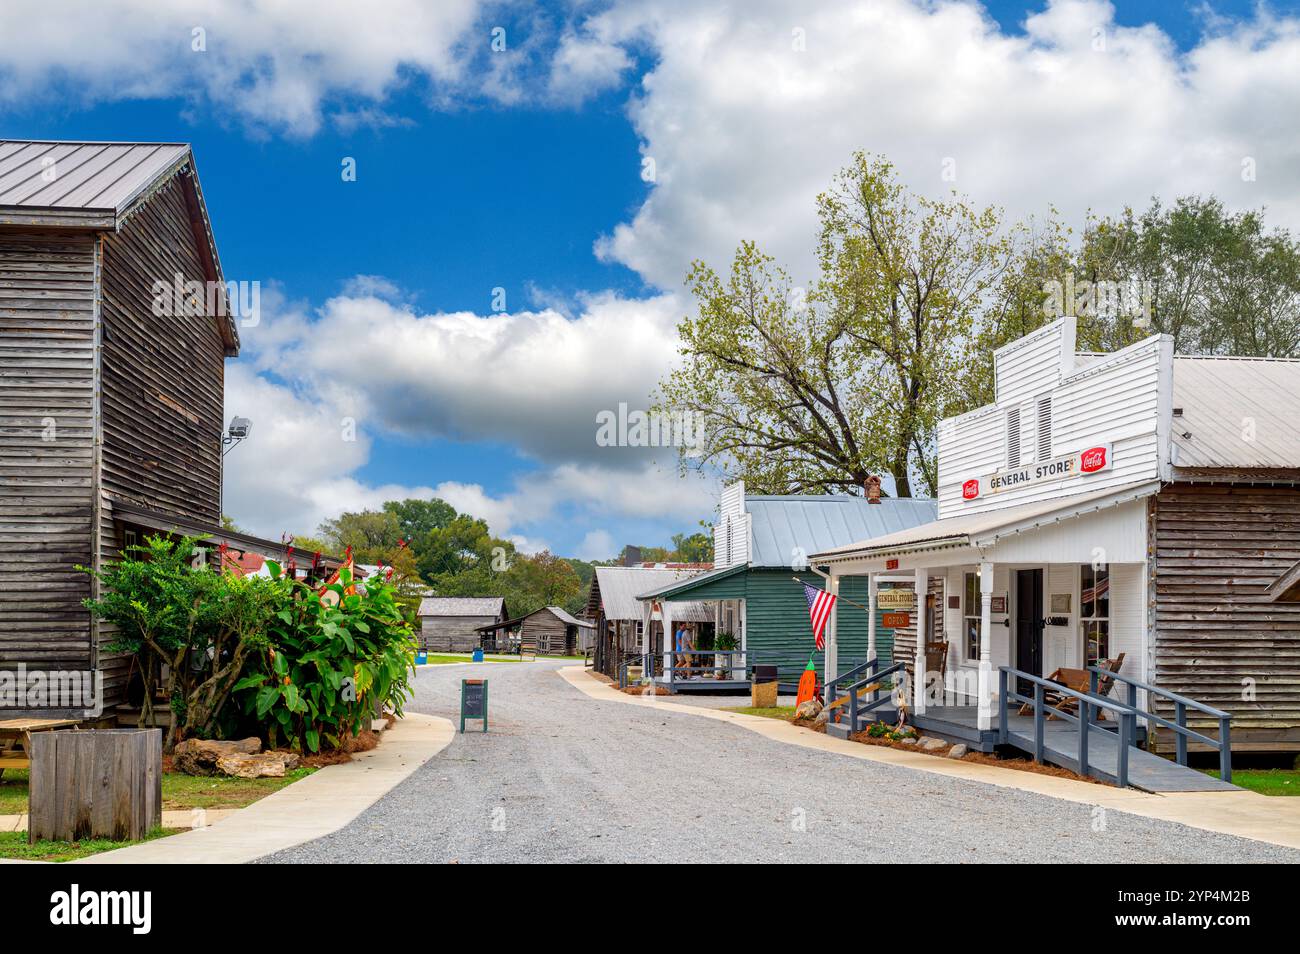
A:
895,620
895,599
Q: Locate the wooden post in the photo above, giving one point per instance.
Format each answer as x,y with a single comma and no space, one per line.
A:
922,634
871,616
984,686
99,783
832,655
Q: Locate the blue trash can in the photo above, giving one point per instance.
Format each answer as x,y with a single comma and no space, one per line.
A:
478,654
421,657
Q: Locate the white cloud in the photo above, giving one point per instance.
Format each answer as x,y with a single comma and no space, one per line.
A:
745,129
596,545
275,63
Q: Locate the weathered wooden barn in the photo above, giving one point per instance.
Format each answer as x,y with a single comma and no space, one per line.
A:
550,631
450,624
111,382
626,627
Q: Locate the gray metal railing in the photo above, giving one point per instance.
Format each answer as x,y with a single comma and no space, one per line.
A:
872,675
1126,716
673,671
1179,725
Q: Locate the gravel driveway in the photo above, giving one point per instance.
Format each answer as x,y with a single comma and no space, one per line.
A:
562,777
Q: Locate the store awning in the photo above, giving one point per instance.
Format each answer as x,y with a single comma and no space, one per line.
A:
985,529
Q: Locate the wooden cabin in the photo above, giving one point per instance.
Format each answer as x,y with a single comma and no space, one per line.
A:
624,626
450,624
549,631
111,391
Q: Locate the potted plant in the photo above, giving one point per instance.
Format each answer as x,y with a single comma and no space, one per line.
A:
725,641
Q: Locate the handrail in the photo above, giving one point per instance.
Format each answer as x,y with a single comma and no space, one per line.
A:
855,710
1127,718
671,669
1182,733
869,664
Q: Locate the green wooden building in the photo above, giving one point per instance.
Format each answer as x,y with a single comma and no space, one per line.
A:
761,544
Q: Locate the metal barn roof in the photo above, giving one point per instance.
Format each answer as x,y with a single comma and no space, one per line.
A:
87,177
1236,413
817,523
461,605
620,586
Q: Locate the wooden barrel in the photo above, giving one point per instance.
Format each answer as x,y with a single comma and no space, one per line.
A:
98,783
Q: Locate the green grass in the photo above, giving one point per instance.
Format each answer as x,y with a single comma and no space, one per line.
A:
785,713
13,844
442,659
180,791
1265,781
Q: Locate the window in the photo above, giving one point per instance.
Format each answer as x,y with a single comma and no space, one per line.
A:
1013,438
970,620
1045,428
1094,613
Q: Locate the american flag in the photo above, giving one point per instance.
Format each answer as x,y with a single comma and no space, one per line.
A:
819,611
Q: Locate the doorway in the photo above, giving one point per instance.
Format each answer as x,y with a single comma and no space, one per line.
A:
1029,625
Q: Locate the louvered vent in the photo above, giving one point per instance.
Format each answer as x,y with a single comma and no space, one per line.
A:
1013,438
1045,428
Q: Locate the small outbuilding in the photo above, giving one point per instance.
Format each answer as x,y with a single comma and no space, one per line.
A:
550,631
450,624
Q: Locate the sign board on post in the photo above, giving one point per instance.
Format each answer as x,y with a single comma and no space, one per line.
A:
473,701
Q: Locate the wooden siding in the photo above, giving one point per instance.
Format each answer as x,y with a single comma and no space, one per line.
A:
548,633
452,634
47,353
904,645
1217,549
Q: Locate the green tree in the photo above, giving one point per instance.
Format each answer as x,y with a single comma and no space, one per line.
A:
416,518
370,533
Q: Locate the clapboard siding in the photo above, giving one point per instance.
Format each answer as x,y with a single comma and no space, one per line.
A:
162,376
452,634
1217,637
47,354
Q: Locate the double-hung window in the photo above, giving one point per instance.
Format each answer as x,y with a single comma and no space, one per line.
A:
970,617
1094,612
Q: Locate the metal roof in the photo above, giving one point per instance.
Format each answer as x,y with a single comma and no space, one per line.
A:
461,605
668,591
620,586
82,176
569,617
1236,413
817,523
984,529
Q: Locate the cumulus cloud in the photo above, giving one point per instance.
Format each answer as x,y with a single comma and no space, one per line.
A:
750,109
276,64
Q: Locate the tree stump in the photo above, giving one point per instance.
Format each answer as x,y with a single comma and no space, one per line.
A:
97,783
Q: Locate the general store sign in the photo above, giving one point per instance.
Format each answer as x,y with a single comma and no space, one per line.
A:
895,599
1090,460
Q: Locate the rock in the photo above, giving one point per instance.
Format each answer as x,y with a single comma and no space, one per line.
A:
957,751
199,756
930,744
808,709
909,740
822,717
265,765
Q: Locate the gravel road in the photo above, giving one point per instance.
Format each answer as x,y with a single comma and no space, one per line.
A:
564,778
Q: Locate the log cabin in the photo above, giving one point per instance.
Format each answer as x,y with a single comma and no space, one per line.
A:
115,325
450,624
549,631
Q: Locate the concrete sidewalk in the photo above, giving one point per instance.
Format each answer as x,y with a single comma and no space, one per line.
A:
1275,820
319,804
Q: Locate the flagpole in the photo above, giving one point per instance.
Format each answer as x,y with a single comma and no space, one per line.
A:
844,599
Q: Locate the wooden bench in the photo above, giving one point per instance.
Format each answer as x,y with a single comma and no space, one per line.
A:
15,738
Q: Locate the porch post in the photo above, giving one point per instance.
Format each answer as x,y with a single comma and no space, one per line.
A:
984,714
832,655
871,616
670,641
922,632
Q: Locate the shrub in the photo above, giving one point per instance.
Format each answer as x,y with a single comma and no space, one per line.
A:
330,660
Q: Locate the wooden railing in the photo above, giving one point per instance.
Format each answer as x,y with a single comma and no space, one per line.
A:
1088,703
870,675
676,671
1179,725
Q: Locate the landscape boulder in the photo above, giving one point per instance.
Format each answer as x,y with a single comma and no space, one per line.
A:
808,709
931,744
263,765
199,756
957,751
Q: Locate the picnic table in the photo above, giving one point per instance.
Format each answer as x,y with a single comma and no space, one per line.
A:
15,735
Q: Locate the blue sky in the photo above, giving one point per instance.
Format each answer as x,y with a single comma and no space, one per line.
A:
523,172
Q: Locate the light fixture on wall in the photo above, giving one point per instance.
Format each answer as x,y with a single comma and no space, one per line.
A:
240,428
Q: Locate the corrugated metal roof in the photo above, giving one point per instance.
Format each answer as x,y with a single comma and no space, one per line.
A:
816,523
569,618
711,576
1237,413
620,586
981,529
461,605
104,176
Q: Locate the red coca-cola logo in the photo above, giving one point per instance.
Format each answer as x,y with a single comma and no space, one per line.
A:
970,490
1093,459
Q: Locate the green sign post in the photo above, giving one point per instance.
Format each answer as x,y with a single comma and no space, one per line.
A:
473,701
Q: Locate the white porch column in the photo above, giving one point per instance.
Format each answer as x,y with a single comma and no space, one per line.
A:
984,714
832,656
871,616
670,643
922,632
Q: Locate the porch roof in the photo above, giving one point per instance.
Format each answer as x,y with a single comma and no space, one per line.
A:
674,590
984,529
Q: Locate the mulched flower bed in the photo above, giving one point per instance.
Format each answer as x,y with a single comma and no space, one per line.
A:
641,691
979,758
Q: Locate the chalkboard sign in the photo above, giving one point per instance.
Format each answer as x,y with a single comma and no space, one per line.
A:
473,701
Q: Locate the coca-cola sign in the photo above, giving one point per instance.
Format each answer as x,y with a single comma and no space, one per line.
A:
1091,460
